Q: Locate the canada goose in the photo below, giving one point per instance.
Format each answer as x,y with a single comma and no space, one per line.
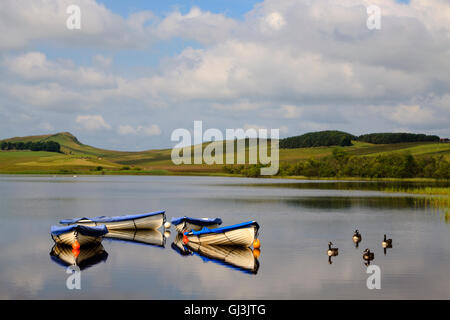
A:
357,238
332,251
367,255
387,243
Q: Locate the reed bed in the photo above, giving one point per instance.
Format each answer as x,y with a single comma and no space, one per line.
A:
434,197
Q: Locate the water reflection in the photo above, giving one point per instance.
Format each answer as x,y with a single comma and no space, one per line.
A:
348,185
83,258
351,202
368,256
295,236
147,237
238,258
341,202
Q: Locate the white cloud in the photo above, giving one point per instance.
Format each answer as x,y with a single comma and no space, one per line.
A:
202,26
290,111
92,122
275,20
126,129
304,64
152,130
283,129
24,21
102,61
35,66
405,114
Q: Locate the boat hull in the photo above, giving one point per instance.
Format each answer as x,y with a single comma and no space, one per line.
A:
70,237
236,237
85,258
236,256
149,222
151,237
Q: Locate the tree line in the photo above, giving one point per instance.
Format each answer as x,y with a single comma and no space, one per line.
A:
318,139
398,137
341,164
343,139
50,146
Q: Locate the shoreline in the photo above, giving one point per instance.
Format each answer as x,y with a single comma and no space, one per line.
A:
162,172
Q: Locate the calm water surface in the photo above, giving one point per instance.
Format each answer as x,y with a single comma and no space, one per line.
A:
297,220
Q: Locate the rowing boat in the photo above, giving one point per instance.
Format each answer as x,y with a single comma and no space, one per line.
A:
84,235
183,224
242,234
83,259
147,237
179,246
151,220
234,257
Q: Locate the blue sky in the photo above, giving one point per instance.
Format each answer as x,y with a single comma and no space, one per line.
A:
232,8
137,70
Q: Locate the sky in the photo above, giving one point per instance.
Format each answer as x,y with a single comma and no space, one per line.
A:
137,70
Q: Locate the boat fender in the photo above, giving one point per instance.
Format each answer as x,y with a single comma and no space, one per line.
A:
76,245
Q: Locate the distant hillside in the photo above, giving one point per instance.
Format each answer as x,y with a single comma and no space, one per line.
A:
396,137
69,144
65,139
318,139
76,157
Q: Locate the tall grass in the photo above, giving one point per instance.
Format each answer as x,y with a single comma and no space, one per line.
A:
434,197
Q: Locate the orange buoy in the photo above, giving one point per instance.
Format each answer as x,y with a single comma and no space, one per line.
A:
76,245
256,253
256,244
185,239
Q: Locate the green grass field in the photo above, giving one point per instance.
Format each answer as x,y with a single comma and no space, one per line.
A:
80,158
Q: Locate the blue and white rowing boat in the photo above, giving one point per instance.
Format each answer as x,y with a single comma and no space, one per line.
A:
234,257
183,224
84,235
151,220
242,234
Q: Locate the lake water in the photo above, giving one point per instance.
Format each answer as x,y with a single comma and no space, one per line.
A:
297,219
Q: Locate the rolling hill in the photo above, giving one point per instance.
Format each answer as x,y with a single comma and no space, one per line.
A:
76,157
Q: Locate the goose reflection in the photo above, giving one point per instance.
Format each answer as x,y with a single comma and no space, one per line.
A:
235,257
146,237
83,258
368,256
386,244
